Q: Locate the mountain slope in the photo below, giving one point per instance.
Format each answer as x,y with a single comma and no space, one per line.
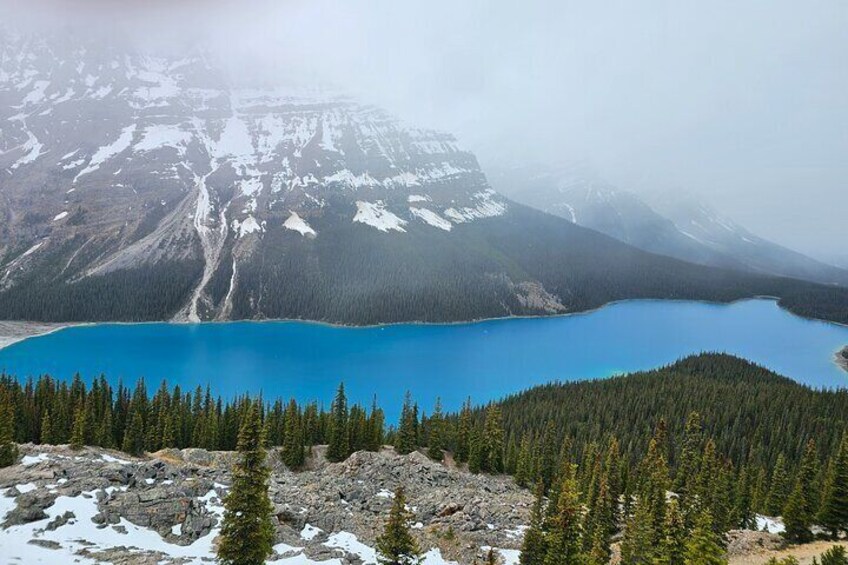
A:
145,188
668,224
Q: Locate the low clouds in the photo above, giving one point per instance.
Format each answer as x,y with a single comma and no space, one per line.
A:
741,103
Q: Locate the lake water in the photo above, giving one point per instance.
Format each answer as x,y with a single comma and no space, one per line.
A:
485,360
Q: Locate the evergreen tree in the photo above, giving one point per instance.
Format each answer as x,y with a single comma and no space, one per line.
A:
638,546
396,546
524,462
463,434
435,439
339,445
834,556
673,548
690,456
834,511
407,435
795,518
8,447
704,546
47,428
134,436
78,434
493,440
247,533
534,546
292,452
778,488
563,537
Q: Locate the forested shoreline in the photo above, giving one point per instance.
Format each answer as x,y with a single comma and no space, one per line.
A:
730,439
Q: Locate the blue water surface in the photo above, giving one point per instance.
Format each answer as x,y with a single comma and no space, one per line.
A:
484,360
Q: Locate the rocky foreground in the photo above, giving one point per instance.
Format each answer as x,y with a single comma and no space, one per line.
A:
101,506
96,506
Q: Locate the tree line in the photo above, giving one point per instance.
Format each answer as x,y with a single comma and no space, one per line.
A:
731,440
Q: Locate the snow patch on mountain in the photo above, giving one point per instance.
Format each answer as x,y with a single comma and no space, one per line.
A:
431,218
375,214
107,152
298,224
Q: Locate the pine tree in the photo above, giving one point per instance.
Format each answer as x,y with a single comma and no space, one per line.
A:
834,556
534,546
834,511
524,463
407,435
493,440
704,546
247,533
292,452
435,440
396,546
673,547
690,456
339,446
565,529
78,434
638,545
778,488
46,429
476,451
134,436
463,433
795,518
8,447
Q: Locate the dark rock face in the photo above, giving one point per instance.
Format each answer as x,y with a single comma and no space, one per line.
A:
842,358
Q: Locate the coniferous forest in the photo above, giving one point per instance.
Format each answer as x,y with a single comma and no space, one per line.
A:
673,457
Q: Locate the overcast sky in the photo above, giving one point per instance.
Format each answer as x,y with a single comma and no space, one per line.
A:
744,104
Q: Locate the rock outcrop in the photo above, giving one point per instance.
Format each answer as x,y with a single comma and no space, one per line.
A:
167,507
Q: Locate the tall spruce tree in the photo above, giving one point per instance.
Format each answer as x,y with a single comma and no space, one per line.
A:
436,437
704,546
407,434
534,546
563,539
493,440
8,447
834,511
247,533
78,433
463,433
293,452
672,550
396,545
339,445
778,488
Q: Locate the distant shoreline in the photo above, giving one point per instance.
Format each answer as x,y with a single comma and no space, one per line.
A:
13,331
841,357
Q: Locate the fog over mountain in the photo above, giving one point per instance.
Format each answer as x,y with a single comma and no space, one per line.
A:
742,105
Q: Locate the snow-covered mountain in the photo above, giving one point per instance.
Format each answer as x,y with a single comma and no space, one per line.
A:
669,223
152,187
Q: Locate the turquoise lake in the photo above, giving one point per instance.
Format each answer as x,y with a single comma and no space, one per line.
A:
485,360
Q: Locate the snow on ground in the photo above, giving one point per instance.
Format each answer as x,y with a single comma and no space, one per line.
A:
770,524
384,493
350,544
249,225
108,151
309,531
412,198
81,532
60,216
486,207
109,459
432,218
298,224
375,214
29,460
161,135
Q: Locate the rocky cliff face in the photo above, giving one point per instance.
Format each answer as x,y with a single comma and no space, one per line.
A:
98,506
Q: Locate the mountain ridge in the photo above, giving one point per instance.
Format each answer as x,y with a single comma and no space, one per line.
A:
149,188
